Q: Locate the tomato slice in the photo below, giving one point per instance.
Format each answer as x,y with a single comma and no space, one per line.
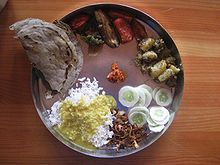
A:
79,22
124,30
120,14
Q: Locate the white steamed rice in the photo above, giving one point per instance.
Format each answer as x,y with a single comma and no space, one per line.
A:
89,90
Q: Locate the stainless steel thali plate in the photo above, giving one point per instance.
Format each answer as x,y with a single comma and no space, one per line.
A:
99,66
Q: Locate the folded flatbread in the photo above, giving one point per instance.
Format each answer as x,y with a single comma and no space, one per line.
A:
52,49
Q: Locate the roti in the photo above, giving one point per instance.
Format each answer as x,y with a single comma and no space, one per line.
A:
51,49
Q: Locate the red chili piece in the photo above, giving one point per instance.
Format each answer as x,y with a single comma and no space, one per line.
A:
124,30
79,22
118,14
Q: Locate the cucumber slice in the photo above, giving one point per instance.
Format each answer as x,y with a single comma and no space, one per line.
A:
139,109
138,118
158,114
163,97
128,96
151,122
145,97
157,128
146,87
155,91
148,97
162,122
142,97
